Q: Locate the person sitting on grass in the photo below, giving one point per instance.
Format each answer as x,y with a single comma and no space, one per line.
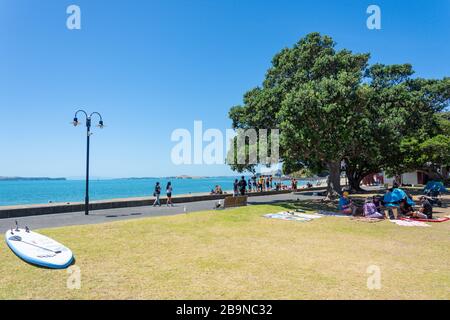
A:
405,208
370,210
345,204
425,212
217,190
426,209
377,202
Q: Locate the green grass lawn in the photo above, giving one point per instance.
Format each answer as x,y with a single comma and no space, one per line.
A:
237,254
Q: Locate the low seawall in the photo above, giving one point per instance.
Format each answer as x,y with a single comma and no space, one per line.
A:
34,210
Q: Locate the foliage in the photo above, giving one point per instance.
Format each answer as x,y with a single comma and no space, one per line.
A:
331,106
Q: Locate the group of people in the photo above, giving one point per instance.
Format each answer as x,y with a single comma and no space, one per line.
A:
240,186
376,207
157,194
260,184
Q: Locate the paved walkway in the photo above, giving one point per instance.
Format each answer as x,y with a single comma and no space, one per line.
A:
102,216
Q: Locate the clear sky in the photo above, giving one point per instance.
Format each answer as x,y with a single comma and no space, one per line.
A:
154,66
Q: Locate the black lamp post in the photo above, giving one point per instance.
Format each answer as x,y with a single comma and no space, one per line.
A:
88,127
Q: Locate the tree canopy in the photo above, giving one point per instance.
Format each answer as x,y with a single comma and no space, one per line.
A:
332,107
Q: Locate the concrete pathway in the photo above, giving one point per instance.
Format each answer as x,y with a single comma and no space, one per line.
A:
103,216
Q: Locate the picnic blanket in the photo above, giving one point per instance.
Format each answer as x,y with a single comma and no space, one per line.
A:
331,214
308,216
405,223
426,220
287,216
364,219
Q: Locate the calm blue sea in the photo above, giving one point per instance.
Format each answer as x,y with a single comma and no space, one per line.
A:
41,192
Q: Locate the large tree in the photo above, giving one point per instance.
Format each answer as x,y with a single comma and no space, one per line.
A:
398,110
427,152
309,94
330,106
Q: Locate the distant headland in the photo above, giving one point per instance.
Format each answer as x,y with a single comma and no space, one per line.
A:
31,179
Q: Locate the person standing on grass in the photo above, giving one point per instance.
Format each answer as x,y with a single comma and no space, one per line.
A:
156,194
242,186
169,194
235,188
249,185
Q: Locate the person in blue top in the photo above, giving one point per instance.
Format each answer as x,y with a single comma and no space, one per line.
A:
345,204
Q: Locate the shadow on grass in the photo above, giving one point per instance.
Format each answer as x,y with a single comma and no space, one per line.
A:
123,215
312,205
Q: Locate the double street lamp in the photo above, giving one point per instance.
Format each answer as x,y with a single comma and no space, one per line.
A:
88,127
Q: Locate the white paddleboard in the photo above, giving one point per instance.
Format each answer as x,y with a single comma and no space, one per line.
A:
37,249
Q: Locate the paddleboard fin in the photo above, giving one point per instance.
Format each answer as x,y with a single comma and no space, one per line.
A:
15,238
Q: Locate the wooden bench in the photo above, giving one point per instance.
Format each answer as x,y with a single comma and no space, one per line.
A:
230,202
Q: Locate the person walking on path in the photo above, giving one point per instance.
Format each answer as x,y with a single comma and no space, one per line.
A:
156,194
242,186
169,194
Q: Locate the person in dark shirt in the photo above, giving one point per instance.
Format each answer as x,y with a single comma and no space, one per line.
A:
169,190
377,202
156,194
405,208
242,186
427,208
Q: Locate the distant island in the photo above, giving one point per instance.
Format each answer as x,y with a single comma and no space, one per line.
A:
30,179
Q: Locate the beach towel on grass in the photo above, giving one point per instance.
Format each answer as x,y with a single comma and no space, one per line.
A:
426,220
308,216
405,223
332,214
364,219
287,216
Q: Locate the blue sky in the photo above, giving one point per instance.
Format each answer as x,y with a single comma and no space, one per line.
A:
154,66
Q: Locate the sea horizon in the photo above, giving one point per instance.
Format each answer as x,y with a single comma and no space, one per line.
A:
31,192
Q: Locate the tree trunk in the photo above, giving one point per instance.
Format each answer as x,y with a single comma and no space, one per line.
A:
355,183
354,179
334,180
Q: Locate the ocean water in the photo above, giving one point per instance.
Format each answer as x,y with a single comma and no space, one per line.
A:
41,192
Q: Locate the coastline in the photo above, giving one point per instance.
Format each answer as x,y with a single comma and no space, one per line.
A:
142,198
57,208
40,193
